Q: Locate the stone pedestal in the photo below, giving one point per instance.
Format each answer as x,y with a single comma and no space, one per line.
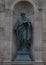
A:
22,55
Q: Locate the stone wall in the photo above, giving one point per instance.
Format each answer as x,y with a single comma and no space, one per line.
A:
7,7
44,30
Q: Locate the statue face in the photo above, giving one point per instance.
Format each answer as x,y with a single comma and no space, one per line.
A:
22,14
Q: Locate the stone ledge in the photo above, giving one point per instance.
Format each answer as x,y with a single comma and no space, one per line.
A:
23,63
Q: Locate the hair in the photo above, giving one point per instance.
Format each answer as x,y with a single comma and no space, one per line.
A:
22,14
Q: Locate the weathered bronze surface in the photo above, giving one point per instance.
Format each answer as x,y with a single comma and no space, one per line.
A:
24,33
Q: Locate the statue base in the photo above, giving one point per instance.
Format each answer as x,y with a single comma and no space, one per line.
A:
23,55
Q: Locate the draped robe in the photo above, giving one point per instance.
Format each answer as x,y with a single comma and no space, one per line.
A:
23,30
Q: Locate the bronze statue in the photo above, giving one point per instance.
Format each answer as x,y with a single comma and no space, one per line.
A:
24,33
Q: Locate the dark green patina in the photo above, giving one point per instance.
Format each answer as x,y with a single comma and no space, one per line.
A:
24,33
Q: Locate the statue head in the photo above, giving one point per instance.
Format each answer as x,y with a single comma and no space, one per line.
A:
22,14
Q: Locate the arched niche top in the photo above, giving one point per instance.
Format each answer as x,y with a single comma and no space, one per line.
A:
24,2
23,6
29,1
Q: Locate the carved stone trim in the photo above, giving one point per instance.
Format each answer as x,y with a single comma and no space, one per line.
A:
2,7
1,29
8,12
